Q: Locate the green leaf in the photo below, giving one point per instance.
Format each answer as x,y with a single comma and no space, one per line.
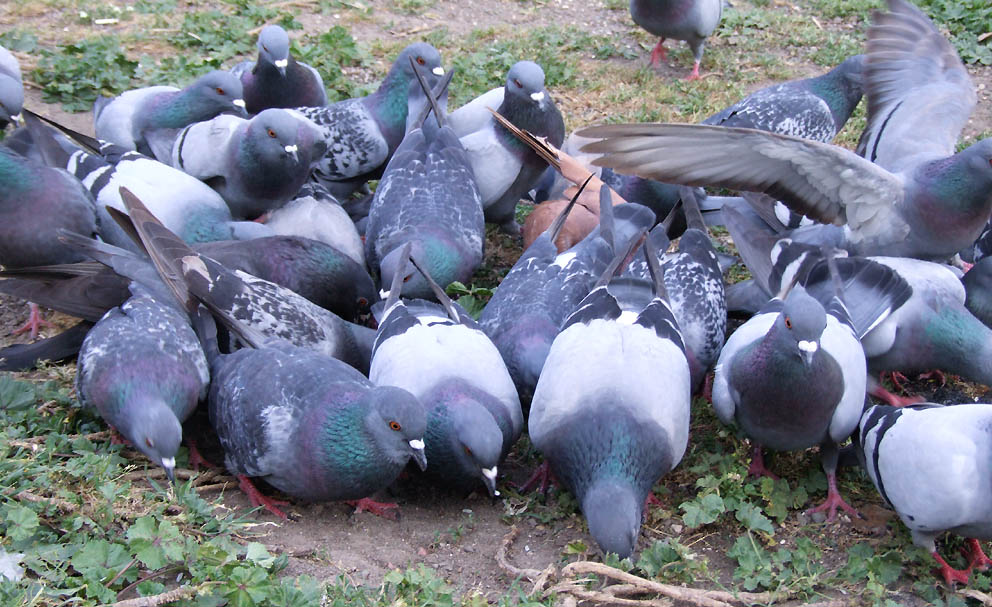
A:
100,560
22,522
15,394
257,554
154,544
653,559
702,511
752,518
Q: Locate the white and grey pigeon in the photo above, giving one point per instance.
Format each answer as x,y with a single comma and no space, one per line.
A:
910,195
160,111
361,134
11,88
504,167
256,165
691,20
277,79
611,409
930,463
439,354
314,213
143,370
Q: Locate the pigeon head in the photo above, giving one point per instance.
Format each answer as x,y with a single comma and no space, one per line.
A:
438,256
398,421
613,513
156,432
476,442
218,92
978,290
979,157
801,323
273,47
427,58
841,88
525,81
11,99
280,138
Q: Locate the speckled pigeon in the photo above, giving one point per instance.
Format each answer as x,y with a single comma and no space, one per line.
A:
314,213
930,463
361,134
277,79
910,195
689,20
256,165
142,368
160,111
11,88
442,357
611,409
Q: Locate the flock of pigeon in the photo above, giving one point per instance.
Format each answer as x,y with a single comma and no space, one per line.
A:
221,247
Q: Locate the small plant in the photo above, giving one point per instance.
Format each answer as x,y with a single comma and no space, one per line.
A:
76,74
473,298
672,561
797,570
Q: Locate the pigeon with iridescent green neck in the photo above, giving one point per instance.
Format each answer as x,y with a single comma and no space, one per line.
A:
277,79
11,88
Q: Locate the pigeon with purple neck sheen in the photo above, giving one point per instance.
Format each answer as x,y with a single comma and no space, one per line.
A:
361,134
689,20
276,79
256,165
160,111
11,88
909,195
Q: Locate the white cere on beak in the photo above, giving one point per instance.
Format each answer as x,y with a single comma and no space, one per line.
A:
168,463
808,346
281,62
291,148
417,444
383,294
438,71
538,96
489,473
239,102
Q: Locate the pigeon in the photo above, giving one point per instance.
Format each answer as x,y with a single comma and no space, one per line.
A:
505,168
11,88
691,21
362,134
314,213
256,165
794,376
160,111
978,290
929,462
427,197
611,408
910,195
142,368
277,79
256,311
310,426
442,357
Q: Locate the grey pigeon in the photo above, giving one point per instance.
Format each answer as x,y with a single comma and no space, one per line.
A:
930,462
910,195
11,88
277,79
256,165
314,213
160,111
504,167
442,357
427,197
361,134
611,409
142,368
978,290
691,20
311,426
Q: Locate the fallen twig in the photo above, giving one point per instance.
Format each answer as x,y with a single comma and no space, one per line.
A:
979,596
159,599
62,505
34,441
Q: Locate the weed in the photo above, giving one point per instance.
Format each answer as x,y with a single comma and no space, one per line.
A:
76,74
473,298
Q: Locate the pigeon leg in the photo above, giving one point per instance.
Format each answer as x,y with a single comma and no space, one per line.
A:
935,374
196,459
695,72
659,53
384,509
757,467
829,454
950,574
257,499
34,322
652,500
976,556
879,392
541,479
708,388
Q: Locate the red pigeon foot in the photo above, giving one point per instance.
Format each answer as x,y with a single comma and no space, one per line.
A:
384,509
196,459
950,574
34,323
833,501
896,401
541,479
976,556
757,467
257,499
660,53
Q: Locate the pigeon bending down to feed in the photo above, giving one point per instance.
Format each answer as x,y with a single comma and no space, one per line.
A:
160,111
277,79
11,88
689,20
910,195
142,368
314,213
361,134
442,357
611,409
930,463
256,165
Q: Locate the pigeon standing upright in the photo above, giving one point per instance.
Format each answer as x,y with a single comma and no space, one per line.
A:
11,88
277,79
689,20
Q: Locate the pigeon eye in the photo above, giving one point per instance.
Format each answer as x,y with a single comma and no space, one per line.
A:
395,426
265,48
468,451
517,82
219,90
363,302
407,278
149,442
272,133
788,322
420,61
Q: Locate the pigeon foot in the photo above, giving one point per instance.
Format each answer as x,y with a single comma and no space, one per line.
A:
196,458
695,73
257,499
34,323
950,574
757,467
659,53
652,500
708,388
935,374
833,501
896,401
384,509
976,556
542,479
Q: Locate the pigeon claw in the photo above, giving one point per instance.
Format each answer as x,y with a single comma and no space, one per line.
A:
34,323
757,466
976,556
695,73
257,499
659,53
196,458
950,574
541,480
833,502
889,398
384,509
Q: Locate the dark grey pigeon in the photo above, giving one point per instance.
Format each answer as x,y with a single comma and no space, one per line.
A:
256,165
908,454
442,357
159,111
11,88
504,167
611,409
277,79
910,195
142,368
691,21
361,134
978,290
427,197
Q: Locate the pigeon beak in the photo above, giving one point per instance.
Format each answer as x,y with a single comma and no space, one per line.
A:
169,463
291,150
538,96
807,349
489,479
438,71
240,104
417,446
281,65
16,119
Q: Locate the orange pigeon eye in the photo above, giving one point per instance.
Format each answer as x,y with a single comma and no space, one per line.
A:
219,90
395,426
272,133
788,322
420,61
517,82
